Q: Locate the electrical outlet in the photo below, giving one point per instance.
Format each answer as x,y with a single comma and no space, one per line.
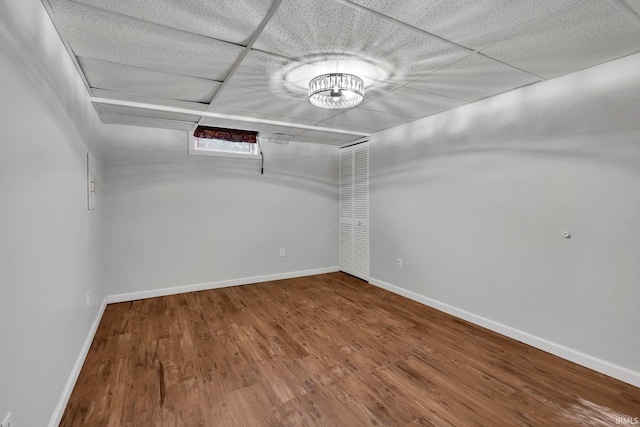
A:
88,299
7,421
281,251
399,263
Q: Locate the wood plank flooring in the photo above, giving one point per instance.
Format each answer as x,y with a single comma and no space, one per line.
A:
327,350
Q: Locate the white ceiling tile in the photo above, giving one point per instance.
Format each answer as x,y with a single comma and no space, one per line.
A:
101,93
473,78
368,120
411,103
586,35
230,20
123,78
308,30
119,119
470,23
261,71
270,103
142,112
95,33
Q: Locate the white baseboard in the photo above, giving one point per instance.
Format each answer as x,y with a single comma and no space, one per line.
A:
132,296
77,367
599,365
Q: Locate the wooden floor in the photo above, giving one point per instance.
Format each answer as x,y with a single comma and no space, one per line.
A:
326,350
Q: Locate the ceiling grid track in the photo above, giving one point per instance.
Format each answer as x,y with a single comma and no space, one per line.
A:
470,51
248,47
402,24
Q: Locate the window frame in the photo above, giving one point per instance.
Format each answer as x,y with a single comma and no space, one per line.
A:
193,151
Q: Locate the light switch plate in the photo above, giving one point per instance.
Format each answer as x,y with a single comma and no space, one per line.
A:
91,183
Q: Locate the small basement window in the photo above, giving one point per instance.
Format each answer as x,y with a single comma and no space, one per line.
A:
220,142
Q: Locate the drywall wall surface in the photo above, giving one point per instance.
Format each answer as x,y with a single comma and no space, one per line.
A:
476,200
175,220
50,243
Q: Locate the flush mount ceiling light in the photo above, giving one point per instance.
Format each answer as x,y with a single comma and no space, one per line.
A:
336,91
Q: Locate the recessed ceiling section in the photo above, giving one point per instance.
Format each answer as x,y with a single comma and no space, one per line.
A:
140,81
589,34
229,20
473,78
470,23
96,33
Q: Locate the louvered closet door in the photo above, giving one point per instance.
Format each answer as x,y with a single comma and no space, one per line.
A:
361,212
347,205
354,210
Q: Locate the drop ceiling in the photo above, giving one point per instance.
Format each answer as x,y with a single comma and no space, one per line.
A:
246,63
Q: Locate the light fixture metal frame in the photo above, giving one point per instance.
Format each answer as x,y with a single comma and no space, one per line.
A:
322,91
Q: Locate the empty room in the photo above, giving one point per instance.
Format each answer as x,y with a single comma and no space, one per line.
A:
321,213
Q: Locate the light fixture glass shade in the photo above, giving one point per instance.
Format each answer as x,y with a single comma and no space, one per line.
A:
336,91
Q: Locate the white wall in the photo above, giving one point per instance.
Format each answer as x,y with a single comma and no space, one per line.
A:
175,220
50,244
475,201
